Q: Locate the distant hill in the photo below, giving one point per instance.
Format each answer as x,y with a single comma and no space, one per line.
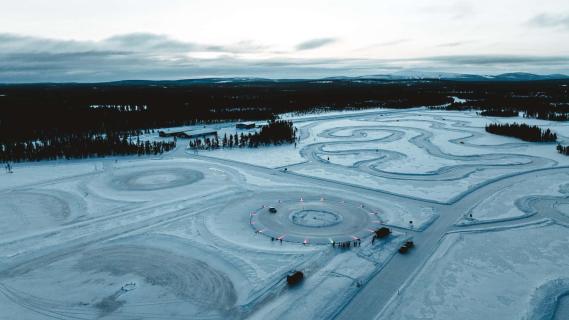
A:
397,76
521,76
425,75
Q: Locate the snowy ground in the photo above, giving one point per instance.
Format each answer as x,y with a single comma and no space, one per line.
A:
490,274
190,235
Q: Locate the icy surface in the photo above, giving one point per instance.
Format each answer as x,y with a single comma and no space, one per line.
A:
186,235
486,275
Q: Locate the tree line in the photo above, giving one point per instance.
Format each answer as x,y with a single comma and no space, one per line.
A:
29,112
547,115
534,114
276,132
80,146
45,114
563,149
499,113
522,131
535,99
32,111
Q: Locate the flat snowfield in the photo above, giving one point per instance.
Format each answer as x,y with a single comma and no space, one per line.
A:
214,234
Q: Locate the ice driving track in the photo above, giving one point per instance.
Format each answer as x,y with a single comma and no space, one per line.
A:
370,300
375,294
384,286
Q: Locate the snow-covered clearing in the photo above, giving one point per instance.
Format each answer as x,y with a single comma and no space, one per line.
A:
490,274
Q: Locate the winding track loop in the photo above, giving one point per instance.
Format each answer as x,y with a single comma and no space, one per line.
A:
374,158
162,178
27,211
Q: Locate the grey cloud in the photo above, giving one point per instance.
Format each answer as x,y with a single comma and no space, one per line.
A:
143,56
17,43
550,20
315,43
239,47
499,59
149,41
133,42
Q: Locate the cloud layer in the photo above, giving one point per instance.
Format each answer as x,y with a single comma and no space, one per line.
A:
551,20
155,56
315,43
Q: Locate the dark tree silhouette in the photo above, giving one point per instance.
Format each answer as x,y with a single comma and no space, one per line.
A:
86,119
522,131
499,113
79,146
563,149
274,133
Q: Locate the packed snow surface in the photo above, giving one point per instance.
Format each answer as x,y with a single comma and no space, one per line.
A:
214,234
492,274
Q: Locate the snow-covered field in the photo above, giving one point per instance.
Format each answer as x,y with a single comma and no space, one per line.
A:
193,236
512,273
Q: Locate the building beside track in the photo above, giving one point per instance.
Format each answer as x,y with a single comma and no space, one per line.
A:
190,134
245,125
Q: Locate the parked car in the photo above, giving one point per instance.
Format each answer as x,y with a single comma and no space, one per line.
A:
272,210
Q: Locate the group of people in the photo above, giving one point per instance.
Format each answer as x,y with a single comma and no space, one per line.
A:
375,237
347,244
280,239
341,245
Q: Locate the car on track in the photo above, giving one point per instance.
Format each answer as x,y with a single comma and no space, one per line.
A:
406,247
382,232
294,277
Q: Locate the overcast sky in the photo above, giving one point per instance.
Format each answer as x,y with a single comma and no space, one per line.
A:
85,40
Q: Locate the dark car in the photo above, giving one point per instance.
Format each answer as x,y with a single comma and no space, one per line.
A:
272,210
294,277
406,247
382,232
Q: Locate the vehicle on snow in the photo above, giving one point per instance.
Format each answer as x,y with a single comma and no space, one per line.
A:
294,277
406,247
382,232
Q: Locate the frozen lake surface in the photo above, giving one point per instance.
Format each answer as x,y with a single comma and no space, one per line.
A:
213,235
